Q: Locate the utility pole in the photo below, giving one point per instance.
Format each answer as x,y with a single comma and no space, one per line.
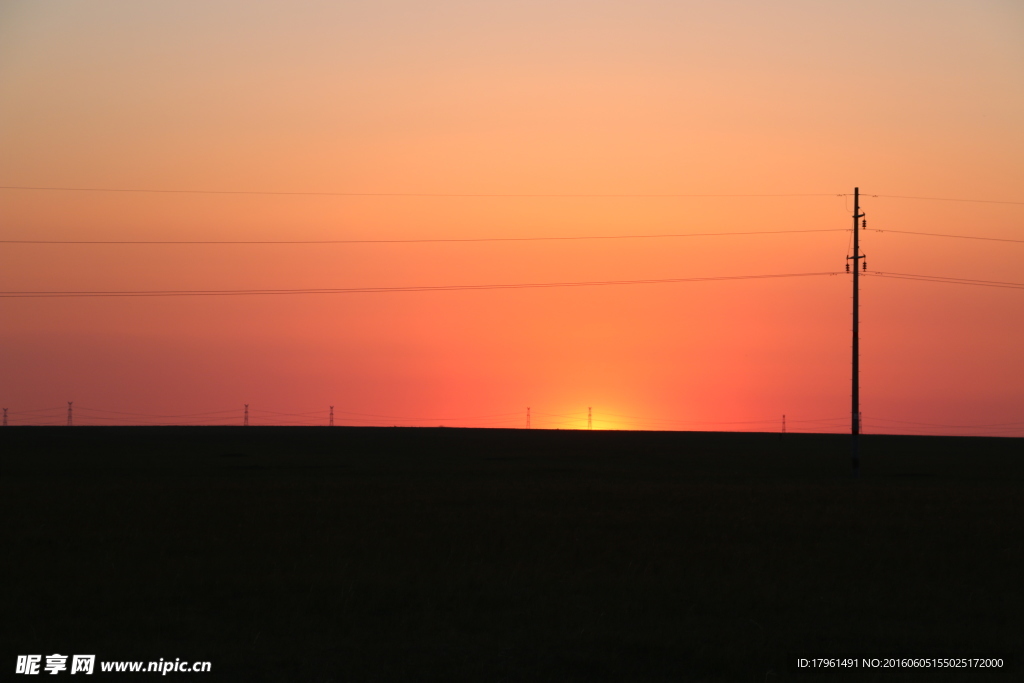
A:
783,424
590,418
69,413
855,395
527,416
245,420
5,417
331,422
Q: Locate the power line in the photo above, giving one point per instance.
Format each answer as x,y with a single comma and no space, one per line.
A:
694,422
421,241
491,239
382,290
947,280
934,424
117,412
42,188
963,237
398,194
231,420
42,410
430,419
945,199
316,413
272,415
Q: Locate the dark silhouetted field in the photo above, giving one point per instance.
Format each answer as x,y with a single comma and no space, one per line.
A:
370,554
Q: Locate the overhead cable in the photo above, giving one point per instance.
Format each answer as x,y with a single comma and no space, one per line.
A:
402,194
947,280
384,290
962,237
427,240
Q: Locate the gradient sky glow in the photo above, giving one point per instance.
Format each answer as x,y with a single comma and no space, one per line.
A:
899,98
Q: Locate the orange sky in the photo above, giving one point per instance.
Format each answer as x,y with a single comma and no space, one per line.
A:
911,98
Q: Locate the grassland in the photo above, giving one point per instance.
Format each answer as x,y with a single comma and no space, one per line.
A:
369,554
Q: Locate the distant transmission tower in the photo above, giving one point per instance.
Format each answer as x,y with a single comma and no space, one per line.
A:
330,423
527,416
5,417
245,420
69,413
590,418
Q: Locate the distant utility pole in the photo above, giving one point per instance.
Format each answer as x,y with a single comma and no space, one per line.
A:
590,418
855,398
527,416
5,417
330,423
783,424
245,420
69,413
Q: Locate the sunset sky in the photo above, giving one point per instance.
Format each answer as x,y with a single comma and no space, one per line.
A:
405,110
